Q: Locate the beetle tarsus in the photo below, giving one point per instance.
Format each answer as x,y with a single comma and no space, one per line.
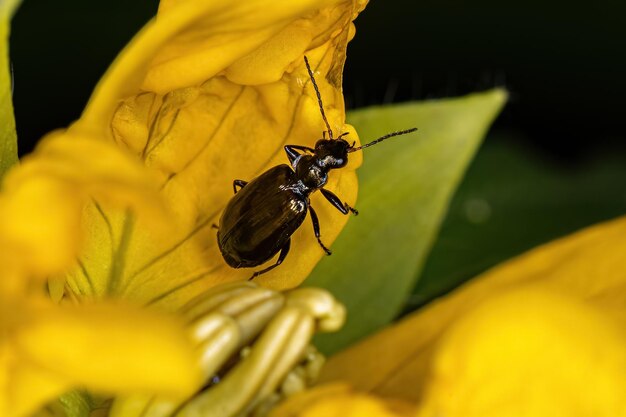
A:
281,257
328,251
352,209
240,184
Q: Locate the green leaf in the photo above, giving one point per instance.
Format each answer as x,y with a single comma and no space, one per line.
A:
405,186
530,201
8,136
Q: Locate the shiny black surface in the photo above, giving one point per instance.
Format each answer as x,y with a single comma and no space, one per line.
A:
259,220
261,217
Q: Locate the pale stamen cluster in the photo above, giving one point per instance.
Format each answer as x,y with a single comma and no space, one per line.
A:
255,350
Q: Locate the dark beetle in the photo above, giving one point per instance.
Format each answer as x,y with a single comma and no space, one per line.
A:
260,219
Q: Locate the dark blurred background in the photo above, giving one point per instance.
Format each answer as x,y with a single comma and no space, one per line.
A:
554,162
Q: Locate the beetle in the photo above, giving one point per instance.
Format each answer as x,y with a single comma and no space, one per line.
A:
259,220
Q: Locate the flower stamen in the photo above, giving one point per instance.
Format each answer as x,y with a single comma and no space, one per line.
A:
254,350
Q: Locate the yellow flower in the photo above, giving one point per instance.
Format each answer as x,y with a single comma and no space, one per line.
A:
541,335
208,92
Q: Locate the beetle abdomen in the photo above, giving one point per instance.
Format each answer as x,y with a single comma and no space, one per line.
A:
261,217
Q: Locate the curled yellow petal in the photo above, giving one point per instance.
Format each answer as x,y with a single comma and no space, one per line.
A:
210,92
587,268
191,42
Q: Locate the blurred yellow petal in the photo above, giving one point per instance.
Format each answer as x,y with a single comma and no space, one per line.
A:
589,268
46,349
113,348
108,348
26,385
42,200
529,353
209,92
40,227
339,400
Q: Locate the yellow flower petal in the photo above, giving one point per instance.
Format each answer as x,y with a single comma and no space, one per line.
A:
339,400
26,385
532,353
191,42
42,200
40,229
92,344
46,349
210,92
587,266
109,348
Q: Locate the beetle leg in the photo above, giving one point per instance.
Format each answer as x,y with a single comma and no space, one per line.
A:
339,205
316,230
238,183
281,257
292,151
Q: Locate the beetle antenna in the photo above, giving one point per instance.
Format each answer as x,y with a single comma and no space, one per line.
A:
319,97
380,139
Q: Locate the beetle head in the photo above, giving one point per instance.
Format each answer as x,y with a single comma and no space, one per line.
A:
332,153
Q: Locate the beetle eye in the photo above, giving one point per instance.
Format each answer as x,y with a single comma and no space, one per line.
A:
322,144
